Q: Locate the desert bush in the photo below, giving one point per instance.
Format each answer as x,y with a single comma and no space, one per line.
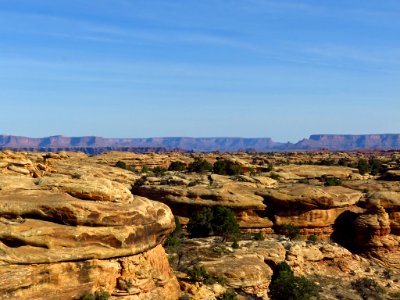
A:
331,181
217,221
274,175
99,295
227,167
224,223
158,171
200,223
291,231
173,241
258,236
200,166
235,245
368,288
363,166
177,166
286,286
228,295
121,164
198,273
375,166
312,238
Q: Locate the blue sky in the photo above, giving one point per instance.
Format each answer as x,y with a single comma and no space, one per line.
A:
253,68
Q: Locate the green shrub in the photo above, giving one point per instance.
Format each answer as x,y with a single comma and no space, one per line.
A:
291,231
121,164
158,171
235,245
331,181
228,295
274,175
312,238
199,274
227,167
99,295
173,241
217,221
258,236
224,223
363,166
200,223
286,286
200,166
145,169
368,288
177,166
375,166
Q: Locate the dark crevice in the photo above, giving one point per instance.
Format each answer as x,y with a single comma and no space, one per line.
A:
16,243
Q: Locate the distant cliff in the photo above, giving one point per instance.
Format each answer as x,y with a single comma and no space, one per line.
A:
349,142
94,145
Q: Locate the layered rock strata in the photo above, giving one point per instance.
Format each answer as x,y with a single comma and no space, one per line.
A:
67,231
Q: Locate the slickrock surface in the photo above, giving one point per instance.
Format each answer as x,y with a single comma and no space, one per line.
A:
69,226
332,267
307,171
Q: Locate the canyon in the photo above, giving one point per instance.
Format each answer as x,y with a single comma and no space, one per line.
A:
73,223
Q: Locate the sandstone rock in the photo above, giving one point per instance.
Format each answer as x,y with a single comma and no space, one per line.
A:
246,272
146,276
216,190
90,188
20,170
314,171
63,229
305,197
372,226
316,218
16,182
389,200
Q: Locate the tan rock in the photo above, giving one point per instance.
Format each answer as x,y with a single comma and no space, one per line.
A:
315,171
246,272
90,188
120,230
146,276
301,196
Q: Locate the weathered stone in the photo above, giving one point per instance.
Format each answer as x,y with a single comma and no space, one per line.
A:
301,196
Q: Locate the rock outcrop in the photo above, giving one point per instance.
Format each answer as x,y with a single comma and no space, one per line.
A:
69,230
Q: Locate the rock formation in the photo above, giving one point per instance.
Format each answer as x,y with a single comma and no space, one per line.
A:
67,228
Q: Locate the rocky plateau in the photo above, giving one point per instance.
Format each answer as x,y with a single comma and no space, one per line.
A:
72,223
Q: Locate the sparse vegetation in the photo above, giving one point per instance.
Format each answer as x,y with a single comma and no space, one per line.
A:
291,231
177,166
224,223
99,295
200,223
274,175
158,171
363,166
258,236
286,286
173,241
331,181
312,238
227,167
121,164
230,294
217,221
235,245
200,166
198,273
368,288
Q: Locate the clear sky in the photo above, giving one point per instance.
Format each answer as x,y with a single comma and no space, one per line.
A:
149,68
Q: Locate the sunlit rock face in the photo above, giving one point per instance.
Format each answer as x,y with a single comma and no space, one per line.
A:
72,228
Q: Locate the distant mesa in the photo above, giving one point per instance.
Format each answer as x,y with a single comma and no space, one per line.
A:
95,145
